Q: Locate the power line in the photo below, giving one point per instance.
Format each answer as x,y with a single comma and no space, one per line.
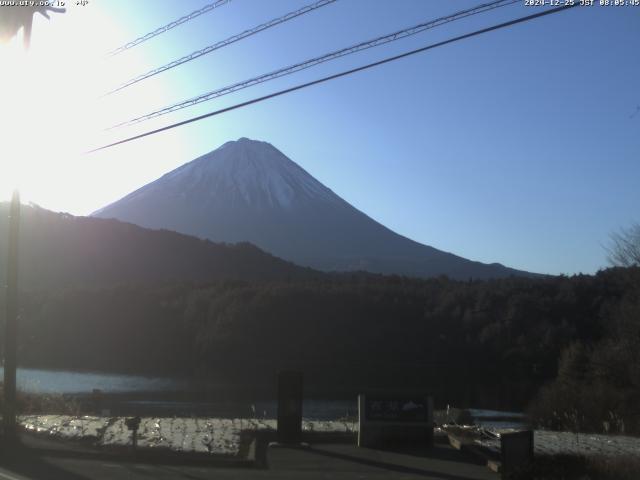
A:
168,26
338,75
223,43
318,60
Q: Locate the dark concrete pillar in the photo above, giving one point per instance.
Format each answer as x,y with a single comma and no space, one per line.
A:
517,455
289,407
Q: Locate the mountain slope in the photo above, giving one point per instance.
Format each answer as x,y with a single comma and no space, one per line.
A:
249,191
60,250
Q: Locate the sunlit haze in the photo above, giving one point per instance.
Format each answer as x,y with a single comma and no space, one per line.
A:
52,110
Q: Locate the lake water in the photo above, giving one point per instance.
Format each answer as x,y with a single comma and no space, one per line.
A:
65,382
497,419
50,381
59,382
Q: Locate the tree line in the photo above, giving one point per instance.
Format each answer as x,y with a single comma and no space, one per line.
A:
504,342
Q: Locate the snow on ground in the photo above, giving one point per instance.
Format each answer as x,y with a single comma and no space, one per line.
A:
65,426
219,436
222,436
568,443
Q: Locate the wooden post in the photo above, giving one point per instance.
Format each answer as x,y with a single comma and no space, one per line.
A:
11,319
133,424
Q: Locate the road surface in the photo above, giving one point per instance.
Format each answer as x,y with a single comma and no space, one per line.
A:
321,461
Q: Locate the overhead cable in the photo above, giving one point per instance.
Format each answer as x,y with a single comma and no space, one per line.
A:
337,75
318,60
168,26
223,43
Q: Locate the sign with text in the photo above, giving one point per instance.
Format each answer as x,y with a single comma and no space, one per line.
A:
397,409
387,419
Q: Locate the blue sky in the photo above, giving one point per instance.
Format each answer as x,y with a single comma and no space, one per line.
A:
513,147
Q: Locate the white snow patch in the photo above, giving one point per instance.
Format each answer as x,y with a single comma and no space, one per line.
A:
222,435
255,172
567,443
65,426
219,436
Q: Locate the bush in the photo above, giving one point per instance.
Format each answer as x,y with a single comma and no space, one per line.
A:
582,407
597,388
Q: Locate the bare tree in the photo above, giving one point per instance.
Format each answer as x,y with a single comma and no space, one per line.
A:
624,247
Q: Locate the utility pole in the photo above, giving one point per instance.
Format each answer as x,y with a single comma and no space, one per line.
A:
11,320
14,19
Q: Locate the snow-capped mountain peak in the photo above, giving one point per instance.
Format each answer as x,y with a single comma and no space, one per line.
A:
248,171
249,191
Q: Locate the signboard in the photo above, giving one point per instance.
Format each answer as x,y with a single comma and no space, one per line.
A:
388,419
397,410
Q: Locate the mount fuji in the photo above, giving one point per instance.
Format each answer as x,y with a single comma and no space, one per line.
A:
249,191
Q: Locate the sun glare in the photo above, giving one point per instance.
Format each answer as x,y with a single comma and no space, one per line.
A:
41,119
12,58
50,106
